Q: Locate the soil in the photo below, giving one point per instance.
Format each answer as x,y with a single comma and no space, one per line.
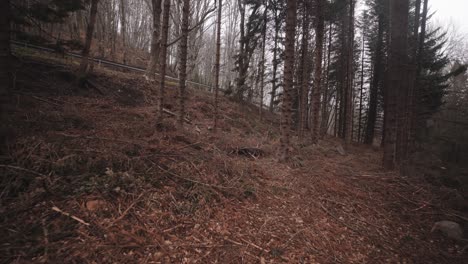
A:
91,178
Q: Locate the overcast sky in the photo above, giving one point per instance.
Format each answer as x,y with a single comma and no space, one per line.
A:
451,11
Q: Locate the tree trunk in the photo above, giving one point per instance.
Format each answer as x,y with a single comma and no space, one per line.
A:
349,77
163,58
155,41
275,61
183,60
304,73
262,61
240,84
83,71
5,53
286,118
415,124
319,32
325,111
396,71
376,82
361,90
5,69
217,64
123,28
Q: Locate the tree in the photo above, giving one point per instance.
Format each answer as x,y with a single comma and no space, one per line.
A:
155,41
83,71
5,53
277,7
123,30
183,60
286,108
399,10
349,75
163,59
303,72
5,66
249,37
319,34
262,60
217,64
376,47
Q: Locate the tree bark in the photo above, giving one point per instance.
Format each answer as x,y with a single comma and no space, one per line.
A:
5,53
83,71
155,40
376,82
123,28
349,77
217,64
183,60
262,61
275,61
304,72
316,98
5,68
286,111
326,99
396,70
163,58
361,90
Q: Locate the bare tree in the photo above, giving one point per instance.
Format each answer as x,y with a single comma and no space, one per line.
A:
163,59
217,64
155,41
89,37
123,29
183,60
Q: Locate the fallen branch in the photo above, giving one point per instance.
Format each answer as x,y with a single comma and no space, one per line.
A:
56,209
23,169
166,111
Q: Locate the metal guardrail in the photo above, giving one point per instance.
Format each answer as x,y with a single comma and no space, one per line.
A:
101,61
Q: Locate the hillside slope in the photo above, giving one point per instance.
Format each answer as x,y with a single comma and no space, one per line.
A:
90,178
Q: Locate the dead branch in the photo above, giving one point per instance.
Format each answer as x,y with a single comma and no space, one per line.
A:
56,209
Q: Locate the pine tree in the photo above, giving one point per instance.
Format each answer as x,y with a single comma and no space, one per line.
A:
286,111
399,10
316,98
5,54
303,72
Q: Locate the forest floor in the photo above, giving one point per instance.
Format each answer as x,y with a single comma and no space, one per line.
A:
90,178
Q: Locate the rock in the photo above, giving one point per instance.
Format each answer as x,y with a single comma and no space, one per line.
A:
341,150
450,229
95,205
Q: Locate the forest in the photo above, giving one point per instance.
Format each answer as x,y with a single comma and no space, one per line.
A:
232,131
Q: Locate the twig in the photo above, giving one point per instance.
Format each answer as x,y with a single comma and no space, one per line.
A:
194,181
23,169
127,210
44,100
56,209
46,241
